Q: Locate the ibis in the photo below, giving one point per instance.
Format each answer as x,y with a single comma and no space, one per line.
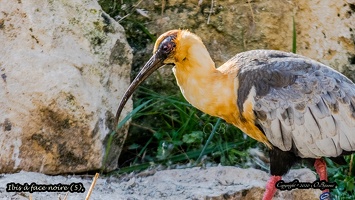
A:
297,107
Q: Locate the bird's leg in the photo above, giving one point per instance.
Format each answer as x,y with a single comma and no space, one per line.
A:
271,187
321,169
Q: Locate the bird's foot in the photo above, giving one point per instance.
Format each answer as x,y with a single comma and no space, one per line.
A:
271,187
321,169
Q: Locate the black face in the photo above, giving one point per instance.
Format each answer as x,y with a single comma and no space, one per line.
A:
166,47
165,50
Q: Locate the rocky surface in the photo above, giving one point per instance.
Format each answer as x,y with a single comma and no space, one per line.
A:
63,66
194,183
326,32
324,29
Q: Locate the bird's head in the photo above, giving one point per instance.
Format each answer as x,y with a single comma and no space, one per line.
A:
166,46
170,48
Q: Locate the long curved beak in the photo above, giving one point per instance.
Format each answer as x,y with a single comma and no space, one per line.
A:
154,63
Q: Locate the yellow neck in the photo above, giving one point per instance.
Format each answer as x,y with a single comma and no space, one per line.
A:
211,90
202,85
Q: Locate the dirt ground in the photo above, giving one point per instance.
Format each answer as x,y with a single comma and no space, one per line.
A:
220,182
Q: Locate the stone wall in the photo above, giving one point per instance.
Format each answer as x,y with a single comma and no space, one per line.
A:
325,29
64,66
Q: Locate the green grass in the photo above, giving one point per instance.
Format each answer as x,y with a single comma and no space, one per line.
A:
294,35
171,132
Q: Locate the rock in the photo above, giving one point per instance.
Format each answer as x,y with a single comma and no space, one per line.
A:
325,29
326,32
64,66
215,183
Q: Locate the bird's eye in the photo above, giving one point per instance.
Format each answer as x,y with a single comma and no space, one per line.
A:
167,48
168,45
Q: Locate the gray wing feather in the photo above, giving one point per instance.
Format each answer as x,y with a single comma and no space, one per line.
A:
301,105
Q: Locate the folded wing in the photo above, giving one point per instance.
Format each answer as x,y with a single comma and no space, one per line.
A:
301,105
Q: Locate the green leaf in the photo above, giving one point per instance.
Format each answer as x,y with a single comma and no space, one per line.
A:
134,146
194,137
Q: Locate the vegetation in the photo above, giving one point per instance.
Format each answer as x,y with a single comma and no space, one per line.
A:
125,12
343,175
170,131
